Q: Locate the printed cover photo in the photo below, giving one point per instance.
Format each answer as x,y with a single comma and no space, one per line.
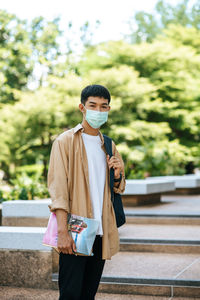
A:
83,231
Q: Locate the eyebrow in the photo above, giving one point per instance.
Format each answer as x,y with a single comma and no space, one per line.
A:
91,102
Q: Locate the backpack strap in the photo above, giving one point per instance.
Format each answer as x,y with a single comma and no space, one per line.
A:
108,146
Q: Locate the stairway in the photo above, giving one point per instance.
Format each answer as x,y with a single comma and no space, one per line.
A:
159,253
160,238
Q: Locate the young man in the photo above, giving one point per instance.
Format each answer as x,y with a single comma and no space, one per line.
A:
78,181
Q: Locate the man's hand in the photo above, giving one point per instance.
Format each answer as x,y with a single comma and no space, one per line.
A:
116,164
66,243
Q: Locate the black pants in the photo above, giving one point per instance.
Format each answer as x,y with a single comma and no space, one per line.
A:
79,276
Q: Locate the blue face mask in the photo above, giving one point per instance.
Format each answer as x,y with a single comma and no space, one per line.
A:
96,118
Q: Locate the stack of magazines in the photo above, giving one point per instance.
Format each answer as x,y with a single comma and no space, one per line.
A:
83,231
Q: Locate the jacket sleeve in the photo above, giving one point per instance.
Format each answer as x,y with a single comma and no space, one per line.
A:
120,189
58,177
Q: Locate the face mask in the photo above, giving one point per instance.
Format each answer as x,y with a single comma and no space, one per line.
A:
96,118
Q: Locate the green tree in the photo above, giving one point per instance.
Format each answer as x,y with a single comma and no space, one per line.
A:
15,52
29,126
148,26
168,69
44,37
155,88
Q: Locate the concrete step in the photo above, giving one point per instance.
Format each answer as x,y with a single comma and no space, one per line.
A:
154,274
164,246
171,210
162,218
155,238
160,238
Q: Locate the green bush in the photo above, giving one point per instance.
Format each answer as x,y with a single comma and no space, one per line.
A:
2,198
25,187
30,170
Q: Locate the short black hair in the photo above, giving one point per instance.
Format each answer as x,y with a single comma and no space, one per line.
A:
95,90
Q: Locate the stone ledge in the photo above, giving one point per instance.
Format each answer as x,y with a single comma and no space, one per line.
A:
146,187
136,200
26,208
25,268
181,182
0,214
26,213
24,238
25,221
185,191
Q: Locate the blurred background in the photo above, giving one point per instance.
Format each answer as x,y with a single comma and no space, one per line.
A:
147,54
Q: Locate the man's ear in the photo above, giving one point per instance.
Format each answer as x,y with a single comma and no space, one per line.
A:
81,107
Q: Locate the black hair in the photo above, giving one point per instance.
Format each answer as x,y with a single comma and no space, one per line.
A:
94,90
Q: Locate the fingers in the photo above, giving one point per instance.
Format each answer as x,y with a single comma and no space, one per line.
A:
113,158
116,165
66,250
69,248
70,251
74,247
113,162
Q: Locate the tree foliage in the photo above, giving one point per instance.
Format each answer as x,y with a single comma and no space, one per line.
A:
15,50
154,84
145,26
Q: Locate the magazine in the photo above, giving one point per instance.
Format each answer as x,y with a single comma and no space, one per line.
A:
83,231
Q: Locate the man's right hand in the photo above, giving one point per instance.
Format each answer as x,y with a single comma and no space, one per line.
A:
66,243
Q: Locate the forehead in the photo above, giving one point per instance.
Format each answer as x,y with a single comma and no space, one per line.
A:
97,100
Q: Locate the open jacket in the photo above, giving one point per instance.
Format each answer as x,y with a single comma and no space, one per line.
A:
68,183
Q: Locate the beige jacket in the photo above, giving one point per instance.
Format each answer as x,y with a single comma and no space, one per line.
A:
68,183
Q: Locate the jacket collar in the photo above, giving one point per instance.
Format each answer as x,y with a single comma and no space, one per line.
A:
79,127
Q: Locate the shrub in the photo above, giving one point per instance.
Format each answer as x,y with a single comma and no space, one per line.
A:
25,187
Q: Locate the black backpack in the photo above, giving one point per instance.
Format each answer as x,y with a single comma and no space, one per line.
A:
115,198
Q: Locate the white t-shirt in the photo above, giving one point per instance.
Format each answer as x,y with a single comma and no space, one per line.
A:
97,174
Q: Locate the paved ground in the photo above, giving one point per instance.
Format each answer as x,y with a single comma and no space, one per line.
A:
10,293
